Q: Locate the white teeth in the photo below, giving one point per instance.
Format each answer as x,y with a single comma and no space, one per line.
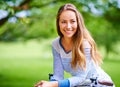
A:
68,30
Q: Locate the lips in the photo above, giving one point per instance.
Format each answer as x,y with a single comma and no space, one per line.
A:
68,31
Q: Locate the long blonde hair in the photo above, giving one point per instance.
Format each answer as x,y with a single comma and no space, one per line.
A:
78,55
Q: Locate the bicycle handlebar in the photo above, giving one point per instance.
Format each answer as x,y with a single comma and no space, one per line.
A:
92,82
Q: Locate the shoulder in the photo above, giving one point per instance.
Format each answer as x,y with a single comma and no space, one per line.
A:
55,44
86,44
55,41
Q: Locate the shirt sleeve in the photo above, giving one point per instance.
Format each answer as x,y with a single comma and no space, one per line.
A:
77,78
58,70
82,74
57,66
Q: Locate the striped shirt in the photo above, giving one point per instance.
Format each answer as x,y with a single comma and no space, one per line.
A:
62,62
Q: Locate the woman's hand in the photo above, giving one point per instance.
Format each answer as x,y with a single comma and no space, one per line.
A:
47,84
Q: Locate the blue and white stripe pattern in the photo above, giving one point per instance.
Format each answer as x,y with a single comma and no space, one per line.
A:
62,63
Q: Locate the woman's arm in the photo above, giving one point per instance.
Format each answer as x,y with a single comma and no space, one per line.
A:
81,75
57,66
58,70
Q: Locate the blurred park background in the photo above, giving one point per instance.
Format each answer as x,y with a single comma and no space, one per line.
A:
27,29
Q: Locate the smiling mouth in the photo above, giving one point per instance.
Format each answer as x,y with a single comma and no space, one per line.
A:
68,31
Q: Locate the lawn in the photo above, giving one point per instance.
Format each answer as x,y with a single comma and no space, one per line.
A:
22,64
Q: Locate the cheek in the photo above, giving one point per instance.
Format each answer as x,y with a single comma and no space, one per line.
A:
75,26
62,26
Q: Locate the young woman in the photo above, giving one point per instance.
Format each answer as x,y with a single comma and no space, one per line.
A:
74,51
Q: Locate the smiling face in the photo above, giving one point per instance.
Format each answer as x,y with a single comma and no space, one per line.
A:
68,23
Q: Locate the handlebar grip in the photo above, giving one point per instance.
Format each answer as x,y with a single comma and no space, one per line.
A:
107,83
50,76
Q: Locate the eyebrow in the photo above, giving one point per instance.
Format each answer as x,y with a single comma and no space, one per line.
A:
65,19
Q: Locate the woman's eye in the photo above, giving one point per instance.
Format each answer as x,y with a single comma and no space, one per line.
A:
73,21
63,22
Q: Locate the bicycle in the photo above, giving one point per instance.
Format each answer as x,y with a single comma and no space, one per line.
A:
93,82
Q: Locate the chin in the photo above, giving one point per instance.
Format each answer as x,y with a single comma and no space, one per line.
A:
69,36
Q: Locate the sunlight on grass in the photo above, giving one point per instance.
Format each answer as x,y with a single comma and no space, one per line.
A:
26,49
112,68
25,63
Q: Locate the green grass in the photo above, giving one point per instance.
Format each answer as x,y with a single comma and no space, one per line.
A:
112,68
22,64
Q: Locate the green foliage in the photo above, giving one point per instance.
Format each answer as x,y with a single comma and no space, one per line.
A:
105,32
104,26
12,32
5,6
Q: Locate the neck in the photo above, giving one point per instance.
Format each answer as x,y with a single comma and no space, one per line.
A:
67,44
67,40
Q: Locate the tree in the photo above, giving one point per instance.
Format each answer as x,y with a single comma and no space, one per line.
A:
105,27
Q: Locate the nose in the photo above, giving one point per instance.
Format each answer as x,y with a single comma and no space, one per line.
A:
68,26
